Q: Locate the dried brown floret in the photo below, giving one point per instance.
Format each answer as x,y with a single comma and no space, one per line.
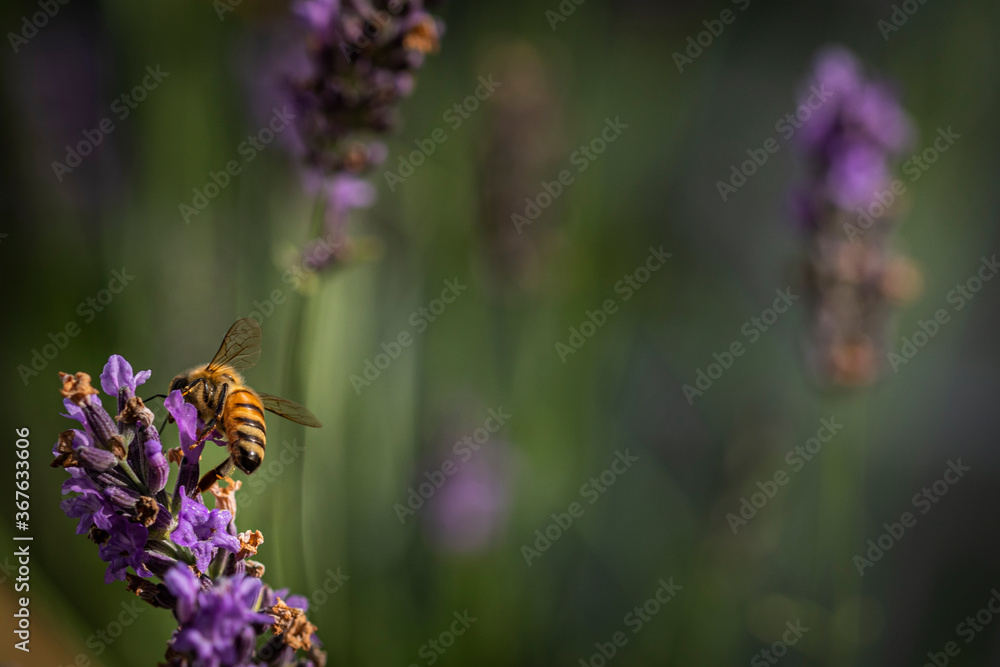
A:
225,496
135,411
98,536
76,387
66,458
146,511
423,37
116,444
151,592
253,568
292,625
249,541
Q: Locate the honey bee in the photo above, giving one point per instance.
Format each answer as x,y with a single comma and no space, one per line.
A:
227,405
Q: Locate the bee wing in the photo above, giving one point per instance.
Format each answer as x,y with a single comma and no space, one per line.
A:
289,410
241,346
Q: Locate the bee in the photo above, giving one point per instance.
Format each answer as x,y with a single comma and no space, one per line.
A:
227,405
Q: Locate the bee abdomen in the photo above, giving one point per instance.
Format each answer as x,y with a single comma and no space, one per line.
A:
245,418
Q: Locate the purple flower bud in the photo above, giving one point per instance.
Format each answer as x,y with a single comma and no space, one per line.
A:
157,467
99,423
96,459
164,521
187,478
123,497
160,563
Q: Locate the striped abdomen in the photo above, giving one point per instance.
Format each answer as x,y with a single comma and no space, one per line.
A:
243,420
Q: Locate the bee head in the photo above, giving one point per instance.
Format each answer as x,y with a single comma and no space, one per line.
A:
179,382
246,459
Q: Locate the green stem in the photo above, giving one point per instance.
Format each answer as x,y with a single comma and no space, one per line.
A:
139,486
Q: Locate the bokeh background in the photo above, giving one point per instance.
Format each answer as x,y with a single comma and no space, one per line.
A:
331,509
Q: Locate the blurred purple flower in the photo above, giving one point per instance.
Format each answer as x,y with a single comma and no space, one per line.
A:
852,277
852,137
859,171
316,14
470,509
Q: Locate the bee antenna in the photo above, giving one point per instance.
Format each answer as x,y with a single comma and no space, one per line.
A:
147,400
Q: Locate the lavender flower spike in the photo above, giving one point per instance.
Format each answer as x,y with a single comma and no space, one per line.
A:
852,276
118,498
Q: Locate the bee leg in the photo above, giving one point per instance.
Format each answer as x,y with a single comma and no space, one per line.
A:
188,389
221,471
210,426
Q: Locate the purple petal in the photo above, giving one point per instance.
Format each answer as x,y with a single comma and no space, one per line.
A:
186,416
118,374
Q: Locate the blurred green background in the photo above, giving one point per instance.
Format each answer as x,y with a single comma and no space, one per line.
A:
329,508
